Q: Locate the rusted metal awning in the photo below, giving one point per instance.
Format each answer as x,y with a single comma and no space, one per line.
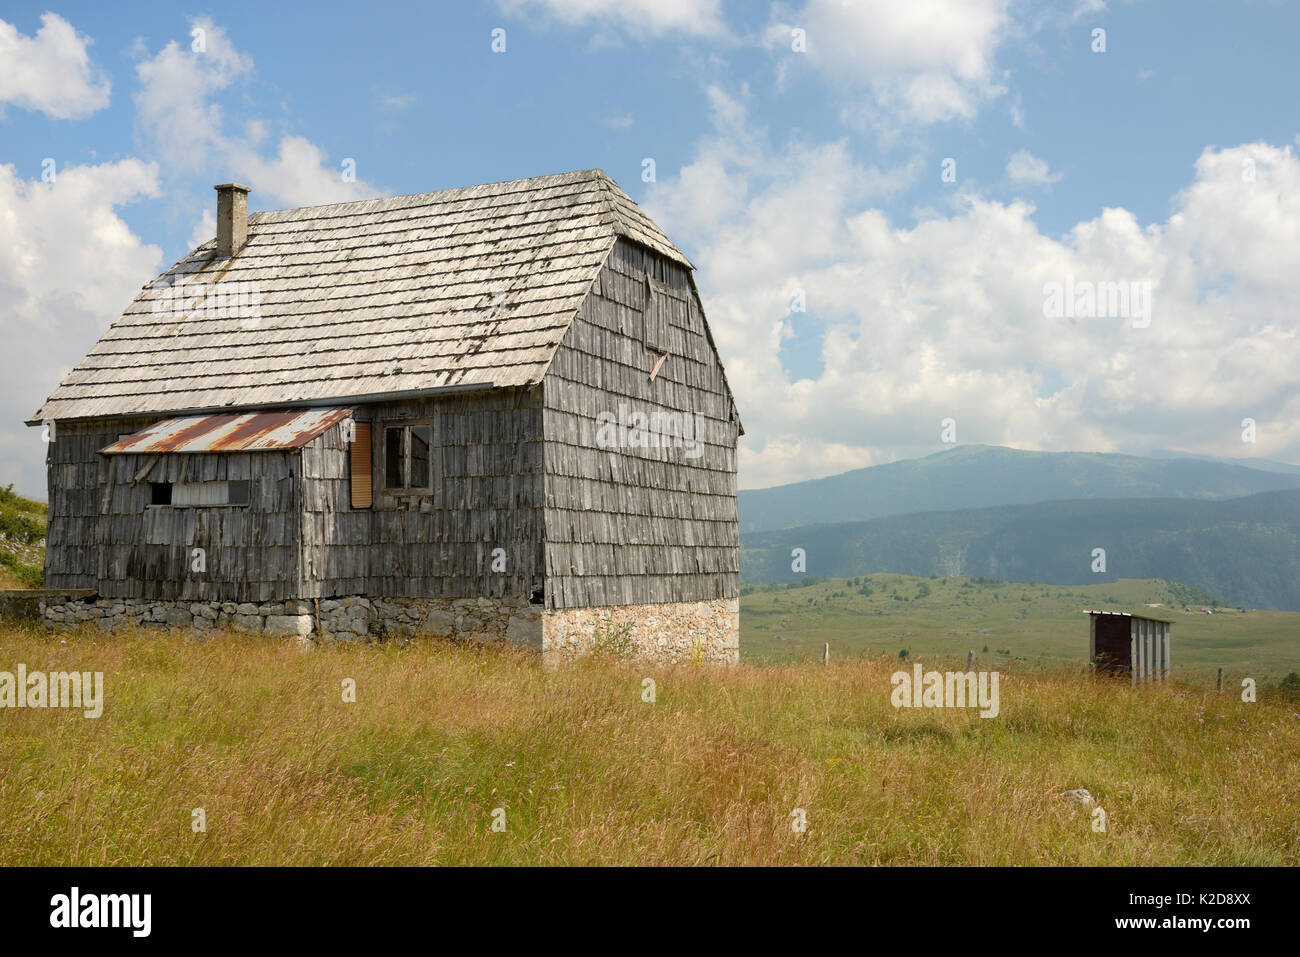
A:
249,432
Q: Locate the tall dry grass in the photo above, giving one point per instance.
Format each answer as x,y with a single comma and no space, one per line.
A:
256,734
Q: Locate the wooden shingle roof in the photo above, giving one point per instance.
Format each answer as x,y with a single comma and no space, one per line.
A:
470,287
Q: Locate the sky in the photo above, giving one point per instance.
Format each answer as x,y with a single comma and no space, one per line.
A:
1053,226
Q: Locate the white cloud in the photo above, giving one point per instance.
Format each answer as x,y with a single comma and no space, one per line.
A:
205,228
173,103
50,71
176,108
1024,167
1017,112
68,266
946,317
638,17
924,61
397,101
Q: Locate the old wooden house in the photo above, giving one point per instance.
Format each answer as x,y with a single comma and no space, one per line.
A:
494,412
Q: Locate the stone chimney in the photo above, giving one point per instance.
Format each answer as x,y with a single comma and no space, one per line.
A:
232,218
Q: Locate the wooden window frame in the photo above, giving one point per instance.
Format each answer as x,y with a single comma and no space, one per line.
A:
405,465
171,491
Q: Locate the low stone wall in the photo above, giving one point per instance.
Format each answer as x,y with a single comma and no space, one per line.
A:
271,618
704,631
341,619
26,604
686,631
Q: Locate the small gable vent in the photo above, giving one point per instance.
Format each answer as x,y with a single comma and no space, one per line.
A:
664,308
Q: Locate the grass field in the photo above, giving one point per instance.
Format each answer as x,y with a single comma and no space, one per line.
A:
1041,624
256,733
22,540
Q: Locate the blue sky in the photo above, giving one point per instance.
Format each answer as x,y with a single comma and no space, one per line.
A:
776,170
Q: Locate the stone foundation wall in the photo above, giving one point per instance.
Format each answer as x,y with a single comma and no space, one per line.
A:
686,631
270,618
703,631
474,619
341,619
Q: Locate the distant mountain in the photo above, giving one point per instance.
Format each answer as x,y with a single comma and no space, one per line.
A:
977,476
1244,551
1264,465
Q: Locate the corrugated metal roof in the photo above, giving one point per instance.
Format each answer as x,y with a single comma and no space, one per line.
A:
252,432
473,286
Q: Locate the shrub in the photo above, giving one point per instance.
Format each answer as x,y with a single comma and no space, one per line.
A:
613,641
1290,687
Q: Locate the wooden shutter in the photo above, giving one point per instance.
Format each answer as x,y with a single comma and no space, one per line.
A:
359,461
657,308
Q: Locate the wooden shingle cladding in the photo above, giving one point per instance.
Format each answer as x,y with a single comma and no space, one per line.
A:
484,494
638,525
250,553
73,474
103,533
299,536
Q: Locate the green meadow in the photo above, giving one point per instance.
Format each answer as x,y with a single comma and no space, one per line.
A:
1006,623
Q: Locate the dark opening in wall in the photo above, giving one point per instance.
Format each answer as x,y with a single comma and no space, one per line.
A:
160,493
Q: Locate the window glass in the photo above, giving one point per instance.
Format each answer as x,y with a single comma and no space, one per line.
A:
393,458
419,456
408,457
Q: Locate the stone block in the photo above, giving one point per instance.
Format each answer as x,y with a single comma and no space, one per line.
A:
179,617
526,630
440,622
288,625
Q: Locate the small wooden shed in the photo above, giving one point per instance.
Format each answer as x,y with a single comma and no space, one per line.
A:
1121,643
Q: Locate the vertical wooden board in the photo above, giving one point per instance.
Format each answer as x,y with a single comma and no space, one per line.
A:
1133,665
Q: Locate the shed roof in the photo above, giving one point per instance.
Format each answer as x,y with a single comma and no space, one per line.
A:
1130,614
463,287
252,432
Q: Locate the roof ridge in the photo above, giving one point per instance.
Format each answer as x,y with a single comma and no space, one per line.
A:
624,227
437,192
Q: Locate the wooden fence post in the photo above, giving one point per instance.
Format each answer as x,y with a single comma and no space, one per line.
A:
970,660
1220,681
826,653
